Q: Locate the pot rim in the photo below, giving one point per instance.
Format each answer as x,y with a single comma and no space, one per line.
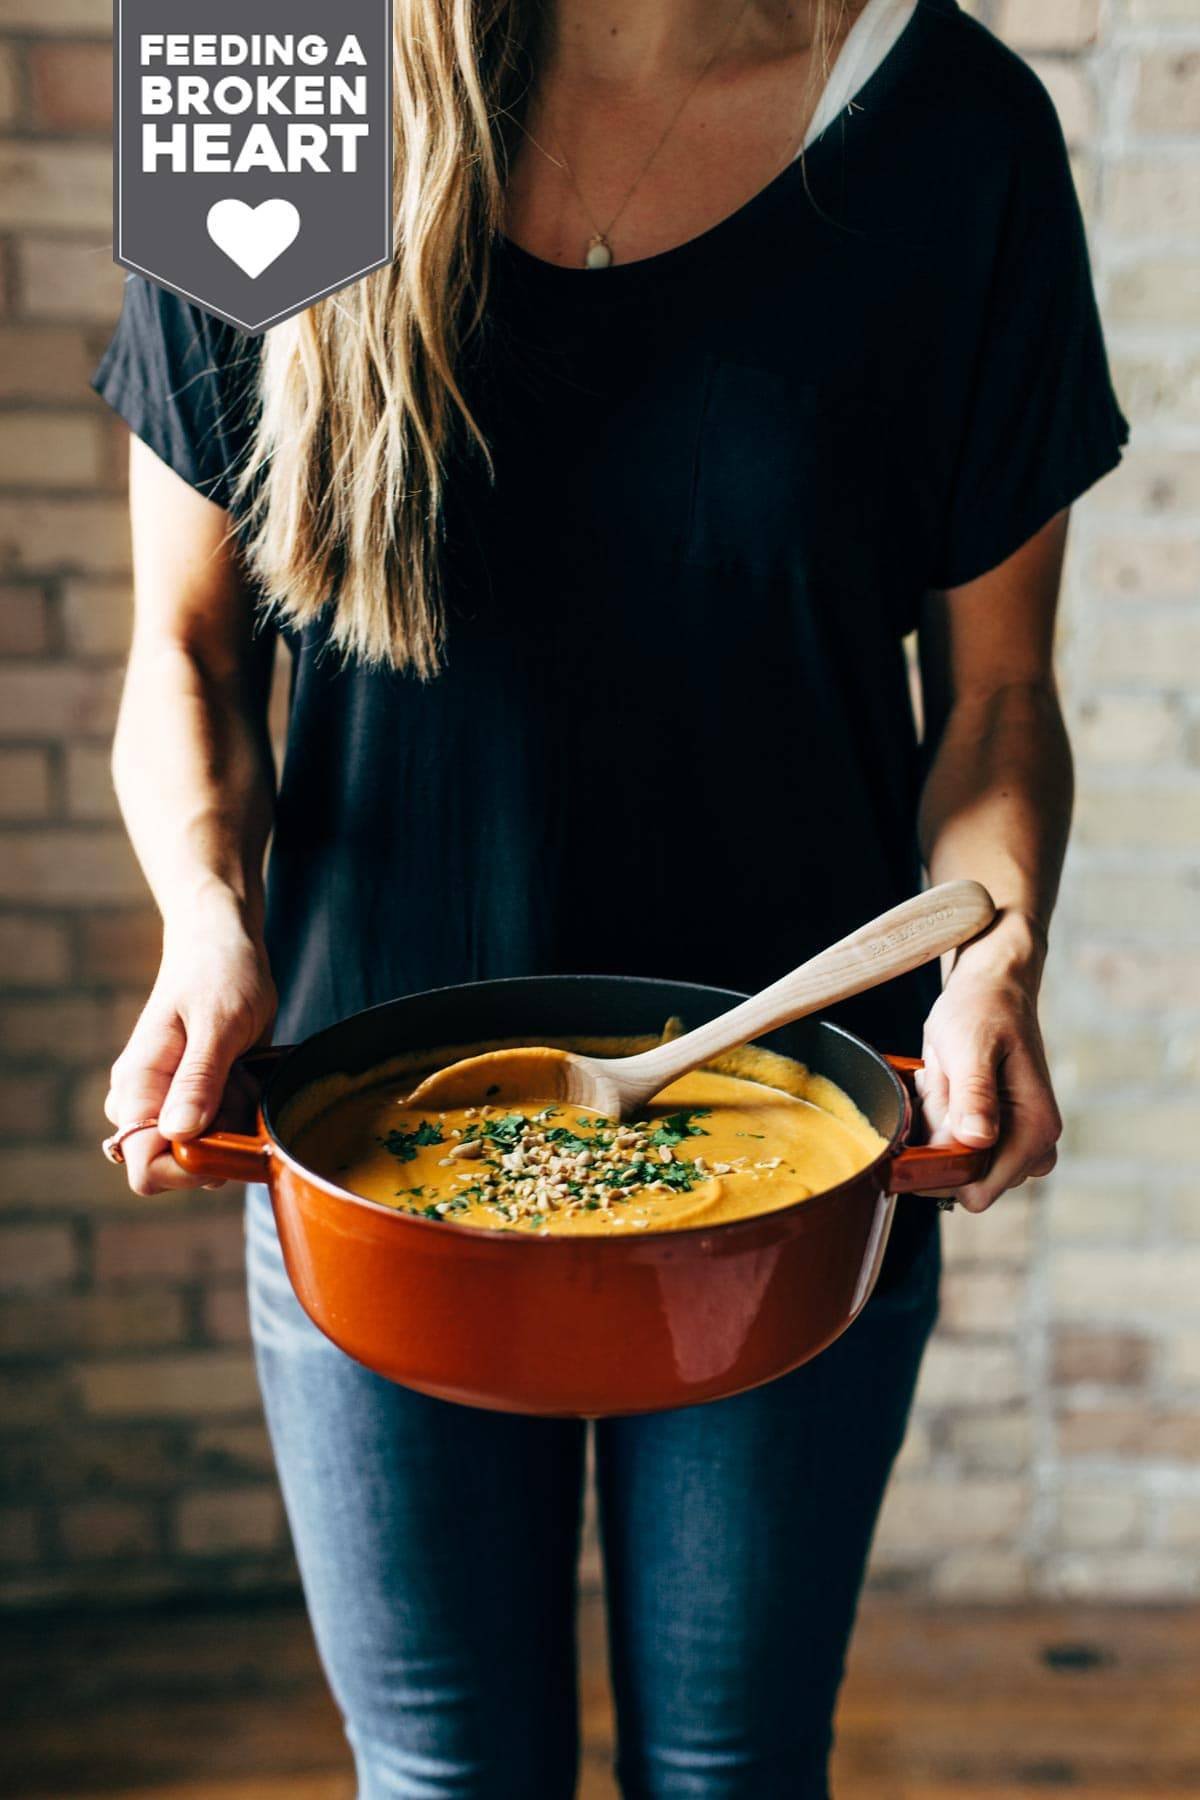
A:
505,1234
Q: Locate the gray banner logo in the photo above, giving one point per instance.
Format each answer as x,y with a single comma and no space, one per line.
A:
253,149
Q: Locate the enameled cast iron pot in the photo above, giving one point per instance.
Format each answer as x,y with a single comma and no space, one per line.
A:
578,1326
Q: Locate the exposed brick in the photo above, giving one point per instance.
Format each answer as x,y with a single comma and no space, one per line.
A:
38,1399
222,1520
1120,1574
143,1319
1153,196
33,952
1158,389
55,450
1161,12
55,1178
1167,94
1095,1518
1142,979
982,1300
957,1373
98,616
9,85
177,1247
25,784
1181,1358
1156,291
1142,815
74,17
71,1029
22,621
206,1383
999,1236
1149,1433
222,1452
1158,1131
1079,1211
47,535
54,186
42,362
1159,648
93,1529
1117,1284
29,1104
981,1575
89,866
226,1314
1074,100
71,86
1155,484
1185,1213
1000,1442
1094,1061
56,699
1181,1523
989,1507
126,946
36,1256
1134,566
93,1458
20,1538
1138,900
86,1109
979,1510
1048,24
69,280
90,793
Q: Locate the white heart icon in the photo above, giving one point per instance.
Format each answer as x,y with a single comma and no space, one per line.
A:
253,236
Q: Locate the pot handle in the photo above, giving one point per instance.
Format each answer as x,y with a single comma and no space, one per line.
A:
231,1155
925,1168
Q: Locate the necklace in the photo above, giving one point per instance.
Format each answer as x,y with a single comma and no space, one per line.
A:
598,253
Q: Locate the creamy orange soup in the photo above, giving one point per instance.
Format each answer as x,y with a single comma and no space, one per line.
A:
753,1133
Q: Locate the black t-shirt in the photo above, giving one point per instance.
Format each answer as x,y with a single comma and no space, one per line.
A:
673,734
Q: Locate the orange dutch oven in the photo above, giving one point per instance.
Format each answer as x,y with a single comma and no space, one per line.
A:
578,1326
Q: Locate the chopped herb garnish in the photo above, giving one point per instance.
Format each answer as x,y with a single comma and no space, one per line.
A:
404,1144
680,1125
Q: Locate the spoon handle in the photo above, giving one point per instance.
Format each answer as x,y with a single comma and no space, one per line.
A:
910,934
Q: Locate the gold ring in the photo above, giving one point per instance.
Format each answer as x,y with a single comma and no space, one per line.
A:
112,1145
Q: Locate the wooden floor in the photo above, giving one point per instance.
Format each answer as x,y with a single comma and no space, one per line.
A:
1029,1704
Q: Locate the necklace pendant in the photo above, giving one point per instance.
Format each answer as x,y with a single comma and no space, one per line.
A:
599,255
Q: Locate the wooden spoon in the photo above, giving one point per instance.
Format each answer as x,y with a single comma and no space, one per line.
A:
618,1087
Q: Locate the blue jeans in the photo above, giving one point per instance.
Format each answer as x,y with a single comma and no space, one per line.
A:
438,1544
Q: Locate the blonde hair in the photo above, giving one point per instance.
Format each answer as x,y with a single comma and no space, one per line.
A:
360,397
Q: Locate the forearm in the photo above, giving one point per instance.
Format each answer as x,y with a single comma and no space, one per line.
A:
192,769
996,805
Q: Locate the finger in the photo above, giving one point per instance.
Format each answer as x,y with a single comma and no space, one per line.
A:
141,1076
1030,1127
933,1091
973,1114
150,1166
199,1082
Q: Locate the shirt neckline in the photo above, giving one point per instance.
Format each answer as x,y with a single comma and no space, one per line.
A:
856,114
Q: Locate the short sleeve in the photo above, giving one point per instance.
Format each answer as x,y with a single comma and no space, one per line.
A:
1041,421
184,383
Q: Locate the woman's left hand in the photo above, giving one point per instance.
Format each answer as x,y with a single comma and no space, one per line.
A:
985,1079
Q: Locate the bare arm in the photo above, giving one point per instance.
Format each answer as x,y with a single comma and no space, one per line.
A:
996,805
193,773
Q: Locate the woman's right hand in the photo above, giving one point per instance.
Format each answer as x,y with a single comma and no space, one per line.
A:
213,1000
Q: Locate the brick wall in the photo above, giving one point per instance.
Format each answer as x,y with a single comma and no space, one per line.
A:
1056,1445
